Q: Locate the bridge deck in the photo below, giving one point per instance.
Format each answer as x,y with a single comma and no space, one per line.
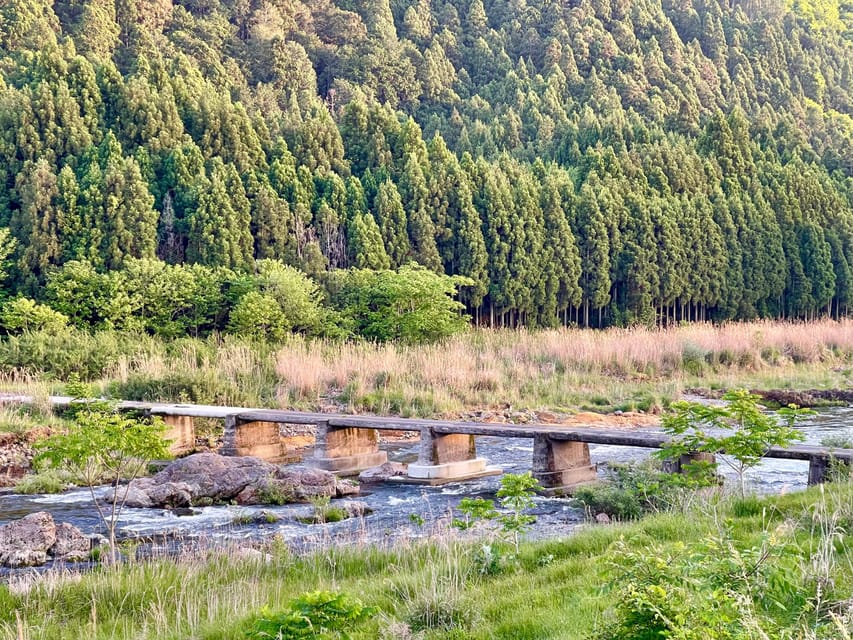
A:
591,435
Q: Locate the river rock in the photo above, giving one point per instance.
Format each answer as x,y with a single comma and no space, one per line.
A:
296,485
71,545
25,542
206,478
356,508
383,472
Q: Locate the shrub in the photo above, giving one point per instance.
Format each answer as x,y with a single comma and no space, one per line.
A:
748,432
296,294
23,314
258,316
102,440
632,491
317,615
716,589
47,481
412,304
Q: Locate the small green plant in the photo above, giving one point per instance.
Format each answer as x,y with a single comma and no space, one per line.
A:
242,518
318,615
323,512
417,519
516,496
714,589
474,510
47,481
630,491
747,432
101,441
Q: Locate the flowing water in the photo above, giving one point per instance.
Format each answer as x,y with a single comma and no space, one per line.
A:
398,509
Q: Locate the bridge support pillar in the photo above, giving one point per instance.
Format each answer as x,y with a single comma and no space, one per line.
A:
347,450
818,469
677,466
252,438
180,431
448,457
561,465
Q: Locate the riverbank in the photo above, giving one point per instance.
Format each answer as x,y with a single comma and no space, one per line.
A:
557,371
787,558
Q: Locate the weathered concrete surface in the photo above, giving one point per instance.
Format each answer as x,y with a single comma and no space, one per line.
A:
180,431
257,438
346,450
561,464
448,457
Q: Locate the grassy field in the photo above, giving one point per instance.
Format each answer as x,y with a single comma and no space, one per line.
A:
557,370
784,561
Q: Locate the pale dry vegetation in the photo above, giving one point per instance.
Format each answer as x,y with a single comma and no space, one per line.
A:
562,368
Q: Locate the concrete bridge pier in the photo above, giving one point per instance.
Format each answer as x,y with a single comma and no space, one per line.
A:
448,457
347,450
561,465
252,438
180,431
677,466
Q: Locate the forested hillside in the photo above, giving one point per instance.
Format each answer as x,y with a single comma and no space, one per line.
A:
589,161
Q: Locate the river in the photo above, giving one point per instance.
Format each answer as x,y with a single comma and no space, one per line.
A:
398,509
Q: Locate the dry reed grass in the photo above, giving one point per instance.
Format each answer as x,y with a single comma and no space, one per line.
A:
561,369
524,368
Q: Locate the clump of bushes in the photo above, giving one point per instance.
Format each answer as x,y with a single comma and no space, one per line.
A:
317,614
631,491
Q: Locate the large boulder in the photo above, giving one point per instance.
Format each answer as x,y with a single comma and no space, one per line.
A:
25,542
296,485
71,545
206,478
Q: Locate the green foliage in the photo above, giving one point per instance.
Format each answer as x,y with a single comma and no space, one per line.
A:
257,316
101,441
411,304
317,614
516,497
714,588
632,491
740,429
474,510
47,481
7,247
24,314
598,169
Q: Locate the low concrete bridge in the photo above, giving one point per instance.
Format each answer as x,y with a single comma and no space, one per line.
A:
347,444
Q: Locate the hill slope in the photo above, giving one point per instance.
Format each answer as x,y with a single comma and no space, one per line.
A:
594,161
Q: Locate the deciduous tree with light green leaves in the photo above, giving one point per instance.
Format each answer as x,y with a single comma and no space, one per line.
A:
741,430
103,443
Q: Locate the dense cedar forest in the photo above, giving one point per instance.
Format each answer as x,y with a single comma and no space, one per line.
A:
595,162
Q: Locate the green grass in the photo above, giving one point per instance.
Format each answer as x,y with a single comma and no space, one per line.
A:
556,589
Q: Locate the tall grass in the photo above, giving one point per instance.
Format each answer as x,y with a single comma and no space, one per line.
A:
635,368
561,369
